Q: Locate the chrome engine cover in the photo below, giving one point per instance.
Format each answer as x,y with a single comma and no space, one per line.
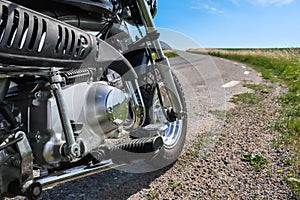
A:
106,108
100,108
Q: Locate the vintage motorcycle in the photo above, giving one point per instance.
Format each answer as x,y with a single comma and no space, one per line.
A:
79,94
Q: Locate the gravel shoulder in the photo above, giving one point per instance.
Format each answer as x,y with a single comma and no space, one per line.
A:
220,173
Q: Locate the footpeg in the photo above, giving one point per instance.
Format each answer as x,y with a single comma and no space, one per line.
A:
137,149
143,145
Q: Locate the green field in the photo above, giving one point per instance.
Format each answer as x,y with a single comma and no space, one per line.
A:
277,65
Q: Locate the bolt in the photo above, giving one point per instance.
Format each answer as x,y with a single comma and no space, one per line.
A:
38,95
36,191
56,165
75,150
38,136
83,40
69,158
109,110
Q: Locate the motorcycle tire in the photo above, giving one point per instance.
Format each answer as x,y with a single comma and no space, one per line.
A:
174,136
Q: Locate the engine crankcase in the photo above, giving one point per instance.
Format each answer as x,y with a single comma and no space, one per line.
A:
98,107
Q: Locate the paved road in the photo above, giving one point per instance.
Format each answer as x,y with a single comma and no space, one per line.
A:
208,83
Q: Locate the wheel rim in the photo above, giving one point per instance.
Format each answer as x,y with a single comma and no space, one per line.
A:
172,134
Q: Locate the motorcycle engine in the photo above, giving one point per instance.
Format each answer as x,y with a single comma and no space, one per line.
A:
96,110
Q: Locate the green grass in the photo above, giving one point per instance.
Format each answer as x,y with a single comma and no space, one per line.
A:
170,54
274,69
218,113
295,185
256,87
174,184
257,161
248,98
167,53
154,194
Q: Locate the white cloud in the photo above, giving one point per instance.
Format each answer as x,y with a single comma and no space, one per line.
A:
200,5
272,2
213,6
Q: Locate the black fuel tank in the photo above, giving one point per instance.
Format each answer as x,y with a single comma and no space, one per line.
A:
99,6
94,6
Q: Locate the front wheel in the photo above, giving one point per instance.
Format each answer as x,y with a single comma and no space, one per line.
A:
174,120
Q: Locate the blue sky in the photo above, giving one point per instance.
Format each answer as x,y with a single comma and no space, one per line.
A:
233,23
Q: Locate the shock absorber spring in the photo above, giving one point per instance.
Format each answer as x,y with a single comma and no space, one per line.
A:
78,75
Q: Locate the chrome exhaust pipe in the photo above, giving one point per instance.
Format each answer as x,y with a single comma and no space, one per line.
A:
74,173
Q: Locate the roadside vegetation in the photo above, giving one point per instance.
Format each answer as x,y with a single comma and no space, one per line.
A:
276,65
167,53
170,53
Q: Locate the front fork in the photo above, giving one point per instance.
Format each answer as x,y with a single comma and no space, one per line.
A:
163,64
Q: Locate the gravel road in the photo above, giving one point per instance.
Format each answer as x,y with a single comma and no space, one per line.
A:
211,166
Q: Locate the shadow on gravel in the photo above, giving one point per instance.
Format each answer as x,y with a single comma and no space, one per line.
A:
112,184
